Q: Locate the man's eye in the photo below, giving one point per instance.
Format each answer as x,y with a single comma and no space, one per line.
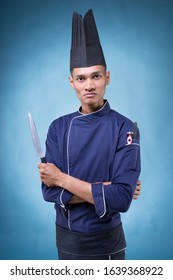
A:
96,77
80,79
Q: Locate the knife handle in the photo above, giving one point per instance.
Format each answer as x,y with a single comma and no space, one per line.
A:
43,160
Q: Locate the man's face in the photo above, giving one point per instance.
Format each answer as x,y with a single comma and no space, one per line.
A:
90,84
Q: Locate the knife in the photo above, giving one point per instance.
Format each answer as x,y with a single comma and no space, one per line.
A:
36,139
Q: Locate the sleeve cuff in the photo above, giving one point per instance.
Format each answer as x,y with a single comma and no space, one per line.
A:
99,199
65,197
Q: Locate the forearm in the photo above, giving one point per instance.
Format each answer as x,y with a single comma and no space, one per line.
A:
75,199
79,188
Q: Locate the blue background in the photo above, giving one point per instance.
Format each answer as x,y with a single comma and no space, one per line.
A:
35,37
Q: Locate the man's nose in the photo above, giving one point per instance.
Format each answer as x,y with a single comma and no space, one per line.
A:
89,86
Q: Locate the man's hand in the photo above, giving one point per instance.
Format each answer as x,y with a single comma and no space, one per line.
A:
50,175
137,190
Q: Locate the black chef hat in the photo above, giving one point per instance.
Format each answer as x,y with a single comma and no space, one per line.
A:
86,49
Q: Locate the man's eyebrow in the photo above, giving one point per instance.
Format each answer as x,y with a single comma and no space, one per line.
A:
79,75
91,74
96,73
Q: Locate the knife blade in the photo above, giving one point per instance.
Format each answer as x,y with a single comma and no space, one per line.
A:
35,138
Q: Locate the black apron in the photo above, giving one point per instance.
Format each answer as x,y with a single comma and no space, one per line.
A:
98,243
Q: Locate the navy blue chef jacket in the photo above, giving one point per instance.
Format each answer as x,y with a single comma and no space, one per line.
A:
94,148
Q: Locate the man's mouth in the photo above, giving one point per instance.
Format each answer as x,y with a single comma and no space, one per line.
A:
90,94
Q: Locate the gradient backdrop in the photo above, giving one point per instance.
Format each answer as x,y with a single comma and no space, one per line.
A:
35,37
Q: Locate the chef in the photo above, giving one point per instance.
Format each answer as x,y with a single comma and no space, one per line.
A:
93,158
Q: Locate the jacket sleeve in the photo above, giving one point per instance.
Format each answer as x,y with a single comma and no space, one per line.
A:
117,196
54,194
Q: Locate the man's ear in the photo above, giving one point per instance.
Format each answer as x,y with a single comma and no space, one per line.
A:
71,82
108,77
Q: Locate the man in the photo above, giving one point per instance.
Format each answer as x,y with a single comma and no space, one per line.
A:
93,158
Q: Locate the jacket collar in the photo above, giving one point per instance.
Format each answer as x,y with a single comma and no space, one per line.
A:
101,112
